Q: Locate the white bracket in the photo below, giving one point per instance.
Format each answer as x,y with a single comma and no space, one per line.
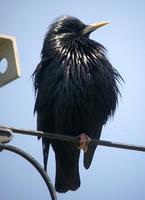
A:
9,62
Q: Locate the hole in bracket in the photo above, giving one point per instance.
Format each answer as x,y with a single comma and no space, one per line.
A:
3,65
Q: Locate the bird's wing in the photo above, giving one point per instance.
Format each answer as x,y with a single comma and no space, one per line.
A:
88,156
45,147
42,125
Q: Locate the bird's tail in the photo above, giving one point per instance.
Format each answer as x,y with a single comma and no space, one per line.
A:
45,147
67,170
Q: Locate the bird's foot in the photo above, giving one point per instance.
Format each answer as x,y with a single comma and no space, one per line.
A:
83,142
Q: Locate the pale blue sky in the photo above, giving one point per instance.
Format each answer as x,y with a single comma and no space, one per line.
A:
115,173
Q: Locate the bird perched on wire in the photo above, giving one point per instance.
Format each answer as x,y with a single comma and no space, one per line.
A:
76,92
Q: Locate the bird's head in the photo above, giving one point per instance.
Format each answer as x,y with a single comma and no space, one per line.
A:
71,27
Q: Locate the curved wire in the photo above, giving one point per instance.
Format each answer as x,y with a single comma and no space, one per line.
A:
6,135
35,164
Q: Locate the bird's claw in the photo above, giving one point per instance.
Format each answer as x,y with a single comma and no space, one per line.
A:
83,142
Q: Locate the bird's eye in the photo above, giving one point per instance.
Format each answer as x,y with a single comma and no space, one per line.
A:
70,29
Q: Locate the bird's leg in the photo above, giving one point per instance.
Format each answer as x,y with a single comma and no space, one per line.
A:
84,141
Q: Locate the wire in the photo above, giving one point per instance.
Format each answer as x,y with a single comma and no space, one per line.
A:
35,163
67,138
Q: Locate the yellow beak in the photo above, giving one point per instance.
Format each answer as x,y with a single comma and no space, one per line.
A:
92,27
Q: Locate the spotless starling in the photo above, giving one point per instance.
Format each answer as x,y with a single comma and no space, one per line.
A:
76,92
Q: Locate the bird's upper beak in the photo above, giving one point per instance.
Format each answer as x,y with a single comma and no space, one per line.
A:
92,27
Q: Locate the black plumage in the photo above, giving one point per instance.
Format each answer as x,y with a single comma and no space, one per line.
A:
76,92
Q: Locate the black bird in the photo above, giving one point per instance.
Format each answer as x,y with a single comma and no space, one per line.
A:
76,92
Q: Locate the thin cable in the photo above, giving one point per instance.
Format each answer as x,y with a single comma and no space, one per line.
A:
61,137
35,163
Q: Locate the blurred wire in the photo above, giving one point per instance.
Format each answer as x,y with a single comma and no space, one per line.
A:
6,136
61,137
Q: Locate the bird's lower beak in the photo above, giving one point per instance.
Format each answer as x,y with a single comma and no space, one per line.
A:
92,27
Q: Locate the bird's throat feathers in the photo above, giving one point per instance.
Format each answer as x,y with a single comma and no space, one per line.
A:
79,54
